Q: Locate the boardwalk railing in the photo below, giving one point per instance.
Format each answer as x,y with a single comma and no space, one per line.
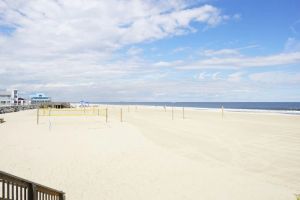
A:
15,188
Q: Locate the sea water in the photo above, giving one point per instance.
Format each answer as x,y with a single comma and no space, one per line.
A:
281,107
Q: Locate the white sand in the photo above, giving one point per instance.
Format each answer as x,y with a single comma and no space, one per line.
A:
150,156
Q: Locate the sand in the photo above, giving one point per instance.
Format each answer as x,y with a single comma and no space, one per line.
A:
150,156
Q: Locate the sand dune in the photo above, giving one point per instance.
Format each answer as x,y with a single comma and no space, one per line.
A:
150,156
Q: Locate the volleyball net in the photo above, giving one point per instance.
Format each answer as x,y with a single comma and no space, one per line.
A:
81,111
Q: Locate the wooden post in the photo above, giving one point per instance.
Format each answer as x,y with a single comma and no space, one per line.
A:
172,113
98,111
61,196
135,108
13,190
165,108
182,112
7,189
106,114
128,109
3,189
121,115
37,116
32,192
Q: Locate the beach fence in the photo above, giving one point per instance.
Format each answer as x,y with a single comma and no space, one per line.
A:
16,188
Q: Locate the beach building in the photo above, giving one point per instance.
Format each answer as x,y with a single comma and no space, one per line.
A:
14,97
8,98
39,98
21,101
5,98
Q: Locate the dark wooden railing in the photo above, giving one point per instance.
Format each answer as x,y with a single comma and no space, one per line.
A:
15,188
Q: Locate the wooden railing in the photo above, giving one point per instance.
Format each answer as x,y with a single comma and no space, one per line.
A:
15,188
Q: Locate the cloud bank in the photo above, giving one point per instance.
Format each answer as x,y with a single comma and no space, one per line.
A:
71,50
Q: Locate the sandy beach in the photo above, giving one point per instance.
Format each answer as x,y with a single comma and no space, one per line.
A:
249,156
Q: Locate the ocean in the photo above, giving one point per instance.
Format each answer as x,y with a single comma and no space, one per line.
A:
282,107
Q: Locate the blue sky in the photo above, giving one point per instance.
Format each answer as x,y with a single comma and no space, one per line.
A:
152,50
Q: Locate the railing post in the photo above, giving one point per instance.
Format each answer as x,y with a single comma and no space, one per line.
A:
61,196
7,189
3,188
31,192
13,190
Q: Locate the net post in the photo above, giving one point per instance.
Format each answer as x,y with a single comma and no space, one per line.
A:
106,114
222,112
37,116
121,115
173,113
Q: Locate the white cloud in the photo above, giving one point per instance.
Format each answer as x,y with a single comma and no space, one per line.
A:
76,26
292,45
295,27
277,77
215,76
243,61
179,49
201,76
168,64
134,51
221,52
235,77
64,43
237,16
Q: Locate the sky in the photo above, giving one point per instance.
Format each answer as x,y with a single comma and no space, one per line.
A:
152,50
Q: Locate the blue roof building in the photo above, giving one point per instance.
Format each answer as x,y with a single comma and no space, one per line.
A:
39,98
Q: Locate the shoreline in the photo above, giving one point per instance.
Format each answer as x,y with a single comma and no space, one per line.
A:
239,110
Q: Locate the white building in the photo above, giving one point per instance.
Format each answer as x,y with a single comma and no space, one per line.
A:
14,97
5,98
10,98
